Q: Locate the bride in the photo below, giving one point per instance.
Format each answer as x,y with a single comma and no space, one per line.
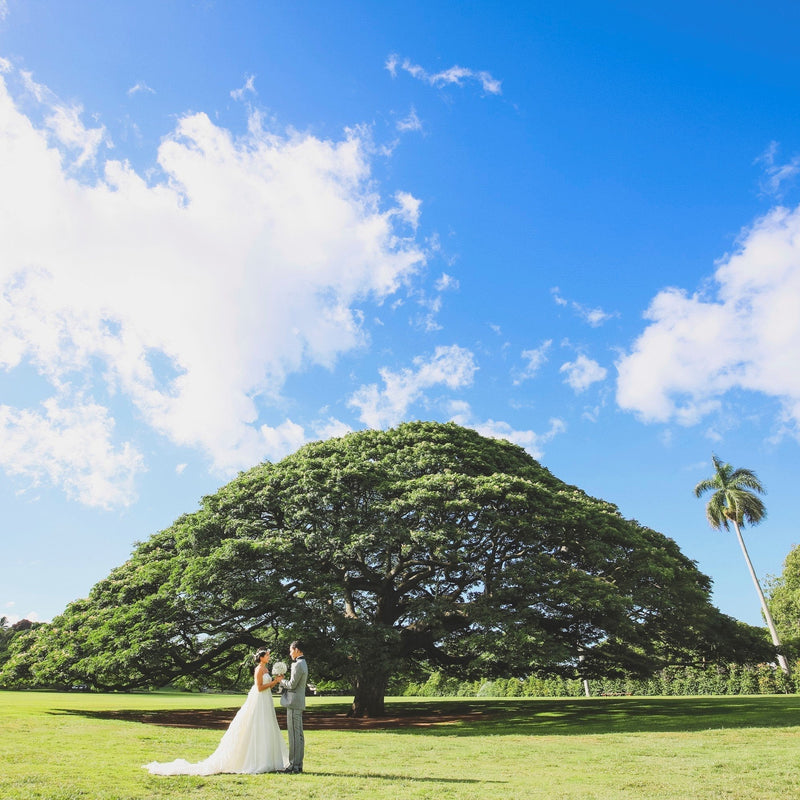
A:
253,742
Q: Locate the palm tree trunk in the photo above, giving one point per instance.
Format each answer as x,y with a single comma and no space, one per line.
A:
784,665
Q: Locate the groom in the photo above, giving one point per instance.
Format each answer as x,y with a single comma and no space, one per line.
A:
293,700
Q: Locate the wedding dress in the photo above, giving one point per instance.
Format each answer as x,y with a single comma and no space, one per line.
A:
253,742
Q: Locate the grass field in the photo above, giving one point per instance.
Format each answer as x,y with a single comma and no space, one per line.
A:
85,746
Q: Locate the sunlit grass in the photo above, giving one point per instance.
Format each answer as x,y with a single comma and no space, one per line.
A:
70,746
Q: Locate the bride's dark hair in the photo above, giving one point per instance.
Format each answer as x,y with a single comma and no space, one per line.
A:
257,657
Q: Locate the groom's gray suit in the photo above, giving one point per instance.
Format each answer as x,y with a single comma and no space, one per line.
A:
293,700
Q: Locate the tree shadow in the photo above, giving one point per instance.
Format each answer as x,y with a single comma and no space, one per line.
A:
314,719
528,717
394,778
598,716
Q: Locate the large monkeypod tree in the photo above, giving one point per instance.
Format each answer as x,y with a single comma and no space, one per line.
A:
389,553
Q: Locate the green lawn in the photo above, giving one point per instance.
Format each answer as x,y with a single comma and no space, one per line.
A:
80,746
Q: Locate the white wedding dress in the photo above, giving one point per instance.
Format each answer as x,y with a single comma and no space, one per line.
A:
253,742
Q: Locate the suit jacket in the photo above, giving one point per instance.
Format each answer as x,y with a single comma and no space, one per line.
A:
294,695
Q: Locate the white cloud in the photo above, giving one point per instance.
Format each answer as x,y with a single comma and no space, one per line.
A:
331,428
283,439
776,175
530,440
391,64
453,367
70,447
454,75
535,358
191,298
582,373
410,123
446,282
408,208
64,123
591,413
432,305
248,88
746,336
141,86
593,316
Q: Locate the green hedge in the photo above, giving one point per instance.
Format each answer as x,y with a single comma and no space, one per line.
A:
730,679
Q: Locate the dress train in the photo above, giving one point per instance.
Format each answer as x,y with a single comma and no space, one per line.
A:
252,744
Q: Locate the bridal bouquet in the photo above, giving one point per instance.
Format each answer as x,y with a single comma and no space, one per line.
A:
278,668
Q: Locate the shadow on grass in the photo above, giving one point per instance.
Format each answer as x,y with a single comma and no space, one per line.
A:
526,717
394,778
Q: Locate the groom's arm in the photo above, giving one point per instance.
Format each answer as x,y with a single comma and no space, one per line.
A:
290,683
294,678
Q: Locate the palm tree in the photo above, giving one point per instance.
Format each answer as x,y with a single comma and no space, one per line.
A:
734,501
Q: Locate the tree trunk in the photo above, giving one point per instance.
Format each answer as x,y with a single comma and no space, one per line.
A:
784,665
369,696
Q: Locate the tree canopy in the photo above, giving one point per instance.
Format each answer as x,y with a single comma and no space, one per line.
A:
784,601
734,496
425,546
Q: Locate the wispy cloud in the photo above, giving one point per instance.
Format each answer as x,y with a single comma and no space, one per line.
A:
248,88
410,123
431,304
776,176
140,87
743,334
453,76
593,316
79,144
446,283
535,358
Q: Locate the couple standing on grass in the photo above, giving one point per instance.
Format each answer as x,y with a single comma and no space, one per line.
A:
253,742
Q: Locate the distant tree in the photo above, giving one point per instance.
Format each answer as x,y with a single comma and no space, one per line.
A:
783,597
9,631
425,547
6,634
734,500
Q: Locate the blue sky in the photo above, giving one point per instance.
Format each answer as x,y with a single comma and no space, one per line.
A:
227,229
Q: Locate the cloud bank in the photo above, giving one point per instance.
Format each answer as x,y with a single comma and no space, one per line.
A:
191,298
